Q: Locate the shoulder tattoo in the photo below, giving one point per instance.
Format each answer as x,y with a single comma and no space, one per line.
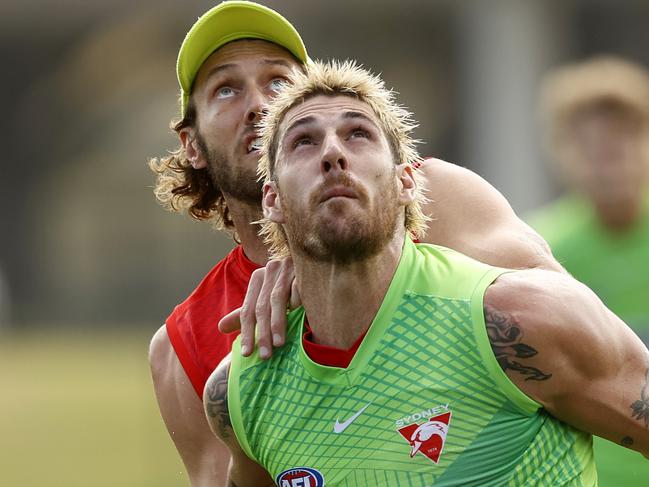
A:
216,402
505,336
640,407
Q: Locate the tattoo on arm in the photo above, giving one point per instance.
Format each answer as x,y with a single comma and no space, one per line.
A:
505,337
216,404
641,406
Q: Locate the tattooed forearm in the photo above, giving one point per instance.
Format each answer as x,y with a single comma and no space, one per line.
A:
641,406
505,338
216,402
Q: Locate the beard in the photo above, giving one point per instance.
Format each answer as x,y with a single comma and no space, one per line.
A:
240,183
338,236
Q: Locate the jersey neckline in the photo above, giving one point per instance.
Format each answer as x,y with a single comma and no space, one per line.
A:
348,377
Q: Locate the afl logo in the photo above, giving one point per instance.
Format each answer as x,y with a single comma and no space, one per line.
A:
300,477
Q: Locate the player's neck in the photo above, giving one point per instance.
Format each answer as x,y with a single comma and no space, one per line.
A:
342,300
244,215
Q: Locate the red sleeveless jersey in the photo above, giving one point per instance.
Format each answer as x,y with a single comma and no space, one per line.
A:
192,327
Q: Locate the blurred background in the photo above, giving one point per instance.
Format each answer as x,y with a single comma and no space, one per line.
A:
90,265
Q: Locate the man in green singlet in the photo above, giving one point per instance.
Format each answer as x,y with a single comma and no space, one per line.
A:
596,116
410,364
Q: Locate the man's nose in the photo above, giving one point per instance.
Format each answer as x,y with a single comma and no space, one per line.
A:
256,102
333,156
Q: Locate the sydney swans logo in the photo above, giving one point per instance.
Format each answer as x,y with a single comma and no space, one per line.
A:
427,438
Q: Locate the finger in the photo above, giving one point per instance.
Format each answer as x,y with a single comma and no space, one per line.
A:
263,309
231,322
280,298
247,312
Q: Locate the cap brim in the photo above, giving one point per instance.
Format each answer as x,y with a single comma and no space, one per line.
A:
227,22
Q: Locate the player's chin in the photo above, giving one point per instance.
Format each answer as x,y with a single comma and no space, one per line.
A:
340,209
347,233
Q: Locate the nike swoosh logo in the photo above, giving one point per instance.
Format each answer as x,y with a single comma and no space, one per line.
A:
340,427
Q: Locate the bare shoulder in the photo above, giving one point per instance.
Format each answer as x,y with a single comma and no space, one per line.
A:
161,355
205,457
442,177
471,216
561,346
538,293
456,197
169,378
550,305
439,174
547,326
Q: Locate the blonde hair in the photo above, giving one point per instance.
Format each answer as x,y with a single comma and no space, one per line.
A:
181,188
606,81
336,78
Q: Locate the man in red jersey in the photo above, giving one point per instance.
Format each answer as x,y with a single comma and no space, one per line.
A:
233,59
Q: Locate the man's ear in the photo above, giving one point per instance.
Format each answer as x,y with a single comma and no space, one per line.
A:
271,203
407,184
192,149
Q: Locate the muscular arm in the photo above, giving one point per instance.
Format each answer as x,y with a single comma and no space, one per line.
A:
561,346
205,457
242,472
470,215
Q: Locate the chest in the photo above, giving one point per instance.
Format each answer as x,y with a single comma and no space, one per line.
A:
407,411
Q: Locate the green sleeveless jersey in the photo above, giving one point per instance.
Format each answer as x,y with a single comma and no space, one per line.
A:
423,402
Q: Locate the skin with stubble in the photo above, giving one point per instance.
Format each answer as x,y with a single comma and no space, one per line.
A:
230,90
338,193
328,236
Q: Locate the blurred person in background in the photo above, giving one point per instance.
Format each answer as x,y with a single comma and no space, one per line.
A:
232,61
596,122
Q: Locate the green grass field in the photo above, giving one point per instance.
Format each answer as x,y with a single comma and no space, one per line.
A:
77,410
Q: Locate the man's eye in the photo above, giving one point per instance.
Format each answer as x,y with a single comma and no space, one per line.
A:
277,84
224,92
356,133
302,141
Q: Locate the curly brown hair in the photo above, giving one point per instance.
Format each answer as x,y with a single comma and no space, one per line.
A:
181,188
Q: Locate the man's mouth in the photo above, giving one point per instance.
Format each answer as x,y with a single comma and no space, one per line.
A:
254,145
338,192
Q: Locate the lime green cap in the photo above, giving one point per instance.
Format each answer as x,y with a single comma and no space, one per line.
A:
227,22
